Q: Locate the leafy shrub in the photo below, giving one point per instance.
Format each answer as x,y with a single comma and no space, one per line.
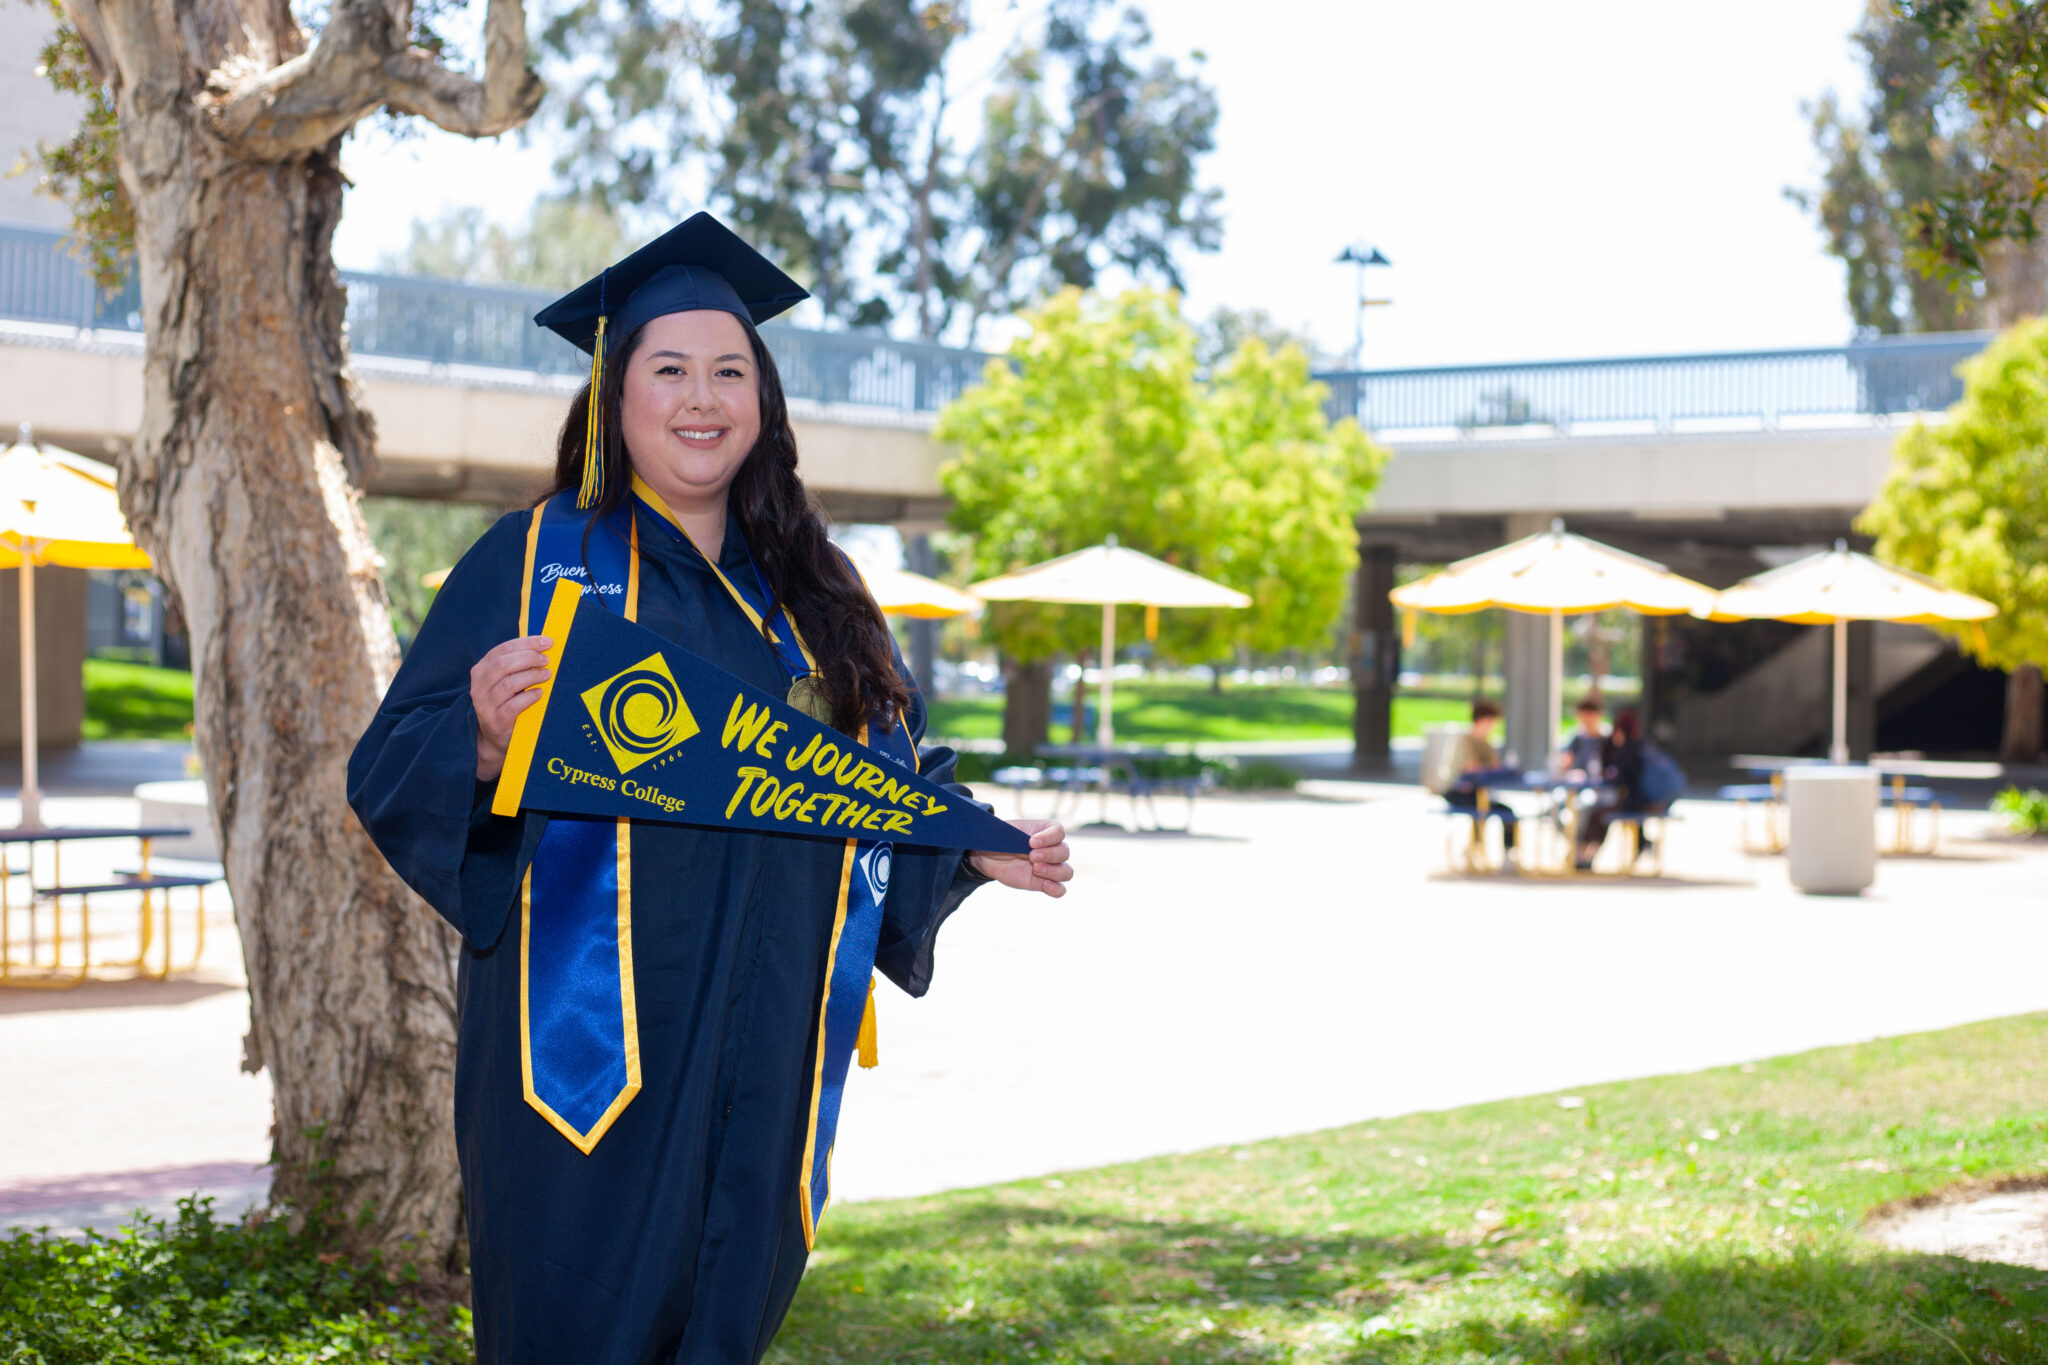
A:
1260,774
2026,811
201,1290
979,767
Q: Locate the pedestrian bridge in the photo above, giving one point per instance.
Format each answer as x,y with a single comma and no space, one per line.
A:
1695,459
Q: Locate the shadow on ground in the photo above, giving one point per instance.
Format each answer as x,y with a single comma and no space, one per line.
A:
995,1278
94,994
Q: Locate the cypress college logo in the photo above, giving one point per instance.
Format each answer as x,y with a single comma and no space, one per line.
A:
640,713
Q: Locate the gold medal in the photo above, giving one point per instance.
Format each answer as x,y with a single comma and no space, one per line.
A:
805,696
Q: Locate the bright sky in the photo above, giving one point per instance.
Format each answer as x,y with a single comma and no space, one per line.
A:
1597,177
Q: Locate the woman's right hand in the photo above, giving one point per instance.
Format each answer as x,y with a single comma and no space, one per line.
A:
504,682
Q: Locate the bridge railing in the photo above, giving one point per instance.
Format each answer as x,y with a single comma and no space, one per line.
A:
1890,375
444,322
448,323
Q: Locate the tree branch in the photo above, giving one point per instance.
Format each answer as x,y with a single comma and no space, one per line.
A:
363,60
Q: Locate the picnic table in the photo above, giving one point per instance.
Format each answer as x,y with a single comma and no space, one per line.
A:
1079,767
31,971
1892,791
1563,811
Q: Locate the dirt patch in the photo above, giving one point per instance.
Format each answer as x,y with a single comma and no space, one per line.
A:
2005,1221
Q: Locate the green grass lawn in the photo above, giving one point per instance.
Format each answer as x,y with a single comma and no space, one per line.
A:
136,701
1710,1218
1707,1219
1153,713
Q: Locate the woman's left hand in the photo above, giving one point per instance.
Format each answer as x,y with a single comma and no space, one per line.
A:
1045,868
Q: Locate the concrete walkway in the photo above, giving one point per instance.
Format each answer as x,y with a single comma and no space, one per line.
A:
1292,964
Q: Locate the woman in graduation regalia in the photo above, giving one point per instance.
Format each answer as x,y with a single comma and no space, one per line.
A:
657,1018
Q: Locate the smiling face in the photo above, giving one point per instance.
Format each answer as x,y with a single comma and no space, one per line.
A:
691,407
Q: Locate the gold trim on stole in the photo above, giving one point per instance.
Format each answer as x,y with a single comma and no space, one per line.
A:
818,1065
565,604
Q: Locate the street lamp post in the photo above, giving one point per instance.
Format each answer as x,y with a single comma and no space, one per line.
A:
1360,255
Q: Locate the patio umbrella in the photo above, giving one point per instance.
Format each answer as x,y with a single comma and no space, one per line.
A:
56,508
1554,573
1835,587
899,592
1110,575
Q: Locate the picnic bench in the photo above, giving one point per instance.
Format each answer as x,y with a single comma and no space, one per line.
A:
1892,792
1074,770
154,884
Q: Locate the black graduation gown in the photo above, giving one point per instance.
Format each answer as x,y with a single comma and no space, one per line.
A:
679,1237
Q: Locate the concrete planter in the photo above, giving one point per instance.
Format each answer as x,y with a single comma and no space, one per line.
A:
1832,843
180,803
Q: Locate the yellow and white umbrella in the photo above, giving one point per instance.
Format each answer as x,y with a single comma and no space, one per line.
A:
899,592
56,508
1835,587
1110,575
1554,573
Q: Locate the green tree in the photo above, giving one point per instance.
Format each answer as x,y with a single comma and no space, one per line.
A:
564,241
832,132
1930,192
1096,424
1269,493
1994,54
413,539
1967,503
1900,148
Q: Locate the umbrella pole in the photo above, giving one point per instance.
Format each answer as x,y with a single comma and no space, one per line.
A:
31,794
1556,699
1838,751
1105,727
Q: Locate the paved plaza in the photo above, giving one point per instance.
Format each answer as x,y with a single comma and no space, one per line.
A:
1289,965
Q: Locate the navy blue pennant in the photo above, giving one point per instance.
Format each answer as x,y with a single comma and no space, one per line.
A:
633,727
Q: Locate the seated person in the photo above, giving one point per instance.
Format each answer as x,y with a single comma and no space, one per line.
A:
1477,765
1621,765
1579,760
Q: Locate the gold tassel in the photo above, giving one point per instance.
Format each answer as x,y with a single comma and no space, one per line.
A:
870,1058
593,429
1151,624
1407,627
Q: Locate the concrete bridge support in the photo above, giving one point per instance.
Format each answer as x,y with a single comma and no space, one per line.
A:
1530,712
1375,658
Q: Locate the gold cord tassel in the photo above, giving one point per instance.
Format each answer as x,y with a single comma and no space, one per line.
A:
593,429
870,1057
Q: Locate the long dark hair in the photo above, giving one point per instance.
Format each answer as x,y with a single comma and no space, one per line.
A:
786,530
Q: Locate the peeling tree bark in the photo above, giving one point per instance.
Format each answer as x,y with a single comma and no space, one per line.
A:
243,487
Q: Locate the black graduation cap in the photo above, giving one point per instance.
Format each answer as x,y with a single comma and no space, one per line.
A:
698,264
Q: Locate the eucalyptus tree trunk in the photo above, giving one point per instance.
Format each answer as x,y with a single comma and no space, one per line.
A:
243,487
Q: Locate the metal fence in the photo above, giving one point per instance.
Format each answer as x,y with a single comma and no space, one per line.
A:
1866,379
447,323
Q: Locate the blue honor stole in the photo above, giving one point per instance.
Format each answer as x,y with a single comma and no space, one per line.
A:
846,1013
579,1038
